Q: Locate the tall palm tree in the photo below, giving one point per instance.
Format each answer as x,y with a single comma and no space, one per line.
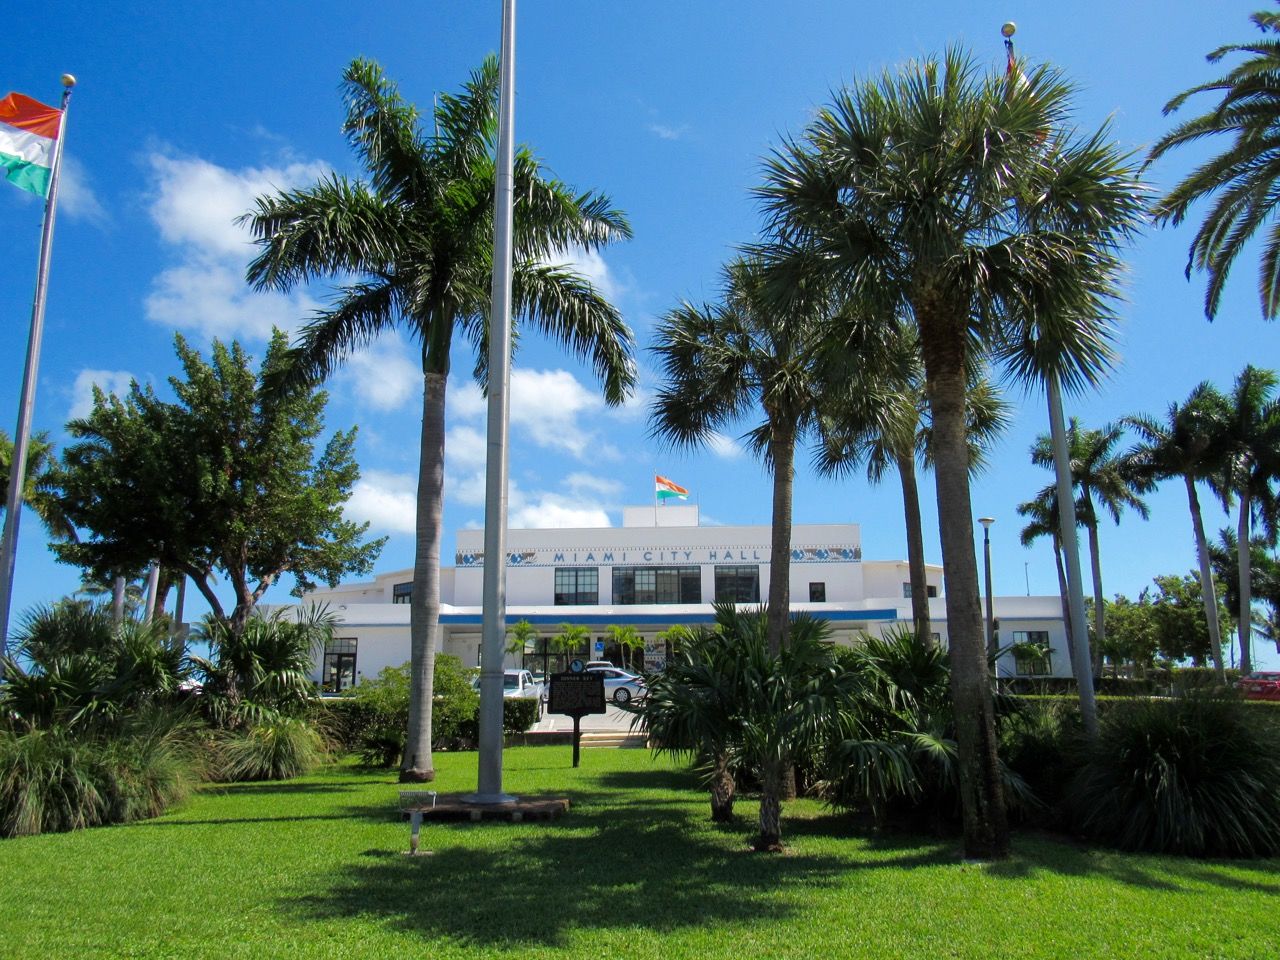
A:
1242,180
1252,467
1183,445
418,235
724,362
1104,481
963,203
883,422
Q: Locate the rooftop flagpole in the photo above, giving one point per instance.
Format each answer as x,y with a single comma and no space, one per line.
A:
26,401
494,597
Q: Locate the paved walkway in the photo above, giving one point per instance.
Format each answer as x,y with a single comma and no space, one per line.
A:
614,720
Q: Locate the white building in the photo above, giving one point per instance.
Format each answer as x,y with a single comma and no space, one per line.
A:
659,569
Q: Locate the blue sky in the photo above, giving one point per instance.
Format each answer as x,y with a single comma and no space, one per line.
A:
183,114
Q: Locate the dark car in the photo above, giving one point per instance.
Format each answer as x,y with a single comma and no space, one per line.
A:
1260,685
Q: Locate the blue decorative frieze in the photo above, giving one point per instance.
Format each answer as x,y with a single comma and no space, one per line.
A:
826,554
649,556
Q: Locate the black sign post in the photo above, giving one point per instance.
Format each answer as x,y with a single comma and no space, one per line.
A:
576,694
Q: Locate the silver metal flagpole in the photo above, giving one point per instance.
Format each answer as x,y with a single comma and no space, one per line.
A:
26,402
494,595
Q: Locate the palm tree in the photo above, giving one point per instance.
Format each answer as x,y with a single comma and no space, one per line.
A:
1044,521
41,484
1104,480
1252,465
519,635
1242,179
1183,445
883,422
1264,574
721,363
627,638
962,203
419,234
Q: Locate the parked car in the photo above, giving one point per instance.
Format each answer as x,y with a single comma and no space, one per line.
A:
619,685
1260,685
519,685
607,664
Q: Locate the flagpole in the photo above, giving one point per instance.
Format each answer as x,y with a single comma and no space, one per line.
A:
26,401
494,588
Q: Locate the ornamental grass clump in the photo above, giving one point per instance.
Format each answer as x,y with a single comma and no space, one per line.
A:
273,748
1195,775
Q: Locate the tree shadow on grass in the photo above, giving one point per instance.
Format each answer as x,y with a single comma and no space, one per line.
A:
633,865
656,779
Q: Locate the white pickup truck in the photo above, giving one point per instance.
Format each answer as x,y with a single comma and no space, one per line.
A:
518,685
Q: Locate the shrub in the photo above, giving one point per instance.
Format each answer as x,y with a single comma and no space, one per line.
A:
1194,775
1038,743
378,716
274,748
55,780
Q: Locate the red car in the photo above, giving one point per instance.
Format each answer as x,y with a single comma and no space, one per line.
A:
1260,685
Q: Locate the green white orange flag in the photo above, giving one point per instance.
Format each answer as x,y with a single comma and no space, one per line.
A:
28,137
664,489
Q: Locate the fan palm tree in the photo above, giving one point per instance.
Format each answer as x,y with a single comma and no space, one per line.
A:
1183,445
962,203
1252,466
1241,181
1104,481
41,489
722,363
883,422
419,235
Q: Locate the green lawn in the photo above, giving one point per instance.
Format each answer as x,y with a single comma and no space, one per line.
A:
314,868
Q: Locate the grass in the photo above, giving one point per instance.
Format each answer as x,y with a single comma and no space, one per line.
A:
313,868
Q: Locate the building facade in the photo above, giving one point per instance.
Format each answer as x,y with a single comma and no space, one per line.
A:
659,569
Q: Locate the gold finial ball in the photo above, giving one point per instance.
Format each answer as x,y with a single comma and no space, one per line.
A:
68,80
1009,29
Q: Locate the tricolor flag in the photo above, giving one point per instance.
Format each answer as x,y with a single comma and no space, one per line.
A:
664,489
28,135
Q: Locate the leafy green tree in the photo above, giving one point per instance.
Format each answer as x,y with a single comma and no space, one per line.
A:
1240,181
1187,445
419,238
1181,625
1251,452
966,205
726,362
225,481
883,421
1133,635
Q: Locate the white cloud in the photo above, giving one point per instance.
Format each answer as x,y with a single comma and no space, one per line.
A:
464,448
384,375
195,204
547,404
108,381
666,132
464,399
591,265
584,502
723,446
550,511
75,196
388,501
584,484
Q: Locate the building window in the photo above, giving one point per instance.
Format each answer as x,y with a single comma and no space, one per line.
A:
738,584
929,591
640,585
1032,655
402,592
338,672
818,592
576,586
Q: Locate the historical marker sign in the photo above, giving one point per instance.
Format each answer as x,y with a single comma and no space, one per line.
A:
576,693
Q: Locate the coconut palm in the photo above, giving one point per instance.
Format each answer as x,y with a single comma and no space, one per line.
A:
418,236
1183,445
627,639
40,491
724,362
1104,480
963,204
1251,449
1044,521
883,422
519,635
1241,181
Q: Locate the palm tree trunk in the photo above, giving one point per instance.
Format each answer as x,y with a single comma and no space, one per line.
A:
986,826
915,551
1243,560
782,448
1063,594
1099,612
117,601
723,791
424,606
1208,592
770,838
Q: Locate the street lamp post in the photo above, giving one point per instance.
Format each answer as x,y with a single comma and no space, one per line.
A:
986,560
